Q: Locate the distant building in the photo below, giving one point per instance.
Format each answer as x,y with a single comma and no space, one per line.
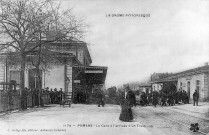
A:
156,85
195,79
146,88
191,80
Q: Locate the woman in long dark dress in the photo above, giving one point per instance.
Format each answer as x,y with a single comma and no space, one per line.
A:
126,112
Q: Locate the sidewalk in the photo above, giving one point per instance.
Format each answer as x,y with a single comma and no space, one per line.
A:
200,111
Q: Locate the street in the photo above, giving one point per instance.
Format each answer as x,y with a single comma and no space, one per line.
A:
57,120
90,120
168,121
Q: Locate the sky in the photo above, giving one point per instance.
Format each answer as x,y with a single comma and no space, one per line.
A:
174,38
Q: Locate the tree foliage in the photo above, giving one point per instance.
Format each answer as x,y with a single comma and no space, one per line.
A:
157,76
28,25
112,92
169,87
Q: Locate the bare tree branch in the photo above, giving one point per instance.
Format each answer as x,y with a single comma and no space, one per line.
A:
28,24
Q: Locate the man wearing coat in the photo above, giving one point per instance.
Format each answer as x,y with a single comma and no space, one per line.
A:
130,96
195,97
101,98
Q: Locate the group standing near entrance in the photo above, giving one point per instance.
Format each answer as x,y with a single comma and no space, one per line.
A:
163,98
54,96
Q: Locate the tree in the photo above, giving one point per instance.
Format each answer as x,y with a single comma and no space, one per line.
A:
169,87
29,24
157,76
112,92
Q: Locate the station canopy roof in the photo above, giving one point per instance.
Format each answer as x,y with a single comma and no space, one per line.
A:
92,74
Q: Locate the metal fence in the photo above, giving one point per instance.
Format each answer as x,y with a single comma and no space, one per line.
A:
10,101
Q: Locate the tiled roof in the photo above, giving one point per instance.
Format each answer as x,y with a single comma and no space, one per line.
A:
146,85
193,71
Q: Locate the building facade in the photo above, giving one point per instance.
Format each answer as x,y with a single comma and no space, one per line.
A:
146,88
196,79
190,80
73,75
156,86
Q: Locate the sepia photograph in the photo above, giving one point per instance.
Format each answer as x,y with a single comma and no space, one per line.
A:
104,67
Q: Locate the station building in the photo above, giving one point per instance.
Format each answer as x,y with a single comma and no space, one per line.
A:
190,80
74,76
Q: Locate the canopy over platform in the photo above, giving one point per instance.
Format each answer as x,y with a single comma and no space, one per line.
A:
91,74
86,79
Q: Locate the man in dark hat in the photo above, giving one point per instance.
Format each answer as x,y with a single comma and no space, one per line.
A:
179,94
195,98
164,97
143,99
155,98
185,97
101,98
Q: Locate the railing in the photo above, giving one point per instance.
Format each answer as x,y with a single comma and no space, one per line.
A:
10,101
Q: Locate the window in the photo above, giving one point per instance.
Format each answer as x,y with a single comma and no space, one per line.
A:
188,86
198,85
181,86
15,75
188,89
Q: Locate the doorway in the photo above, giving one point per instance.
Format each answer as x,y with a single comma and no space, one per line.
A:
188,89
33,79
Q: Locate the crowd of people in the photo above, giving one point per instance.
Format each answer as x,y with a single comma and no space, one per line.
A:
155,98
52,96
162,98
56,96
